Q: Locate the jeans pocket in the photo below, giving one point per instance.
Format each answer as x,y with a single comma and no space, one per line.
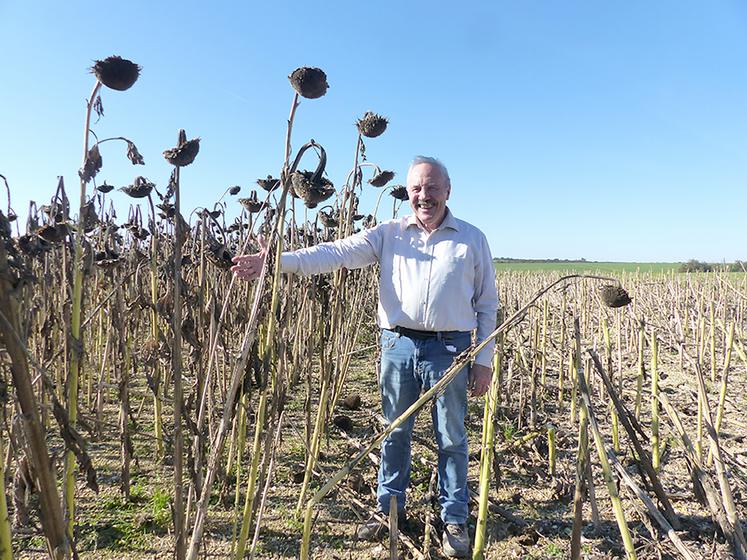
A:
456,344
388,339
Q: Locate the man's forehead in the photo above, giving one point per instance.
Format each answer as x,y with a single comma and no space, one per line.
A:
425,173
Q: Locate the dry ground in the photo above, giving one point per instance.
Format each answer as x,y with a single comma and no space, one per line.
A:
532,515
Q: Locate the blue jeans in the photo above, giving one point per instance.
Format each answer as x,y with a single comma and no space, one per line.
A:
409,366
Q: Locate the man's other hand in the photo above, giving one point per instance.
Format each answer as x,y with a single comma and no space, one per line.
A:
479,379
249,267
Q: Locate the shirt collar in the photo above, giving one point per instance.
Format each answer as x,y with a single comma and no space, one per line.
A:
449,221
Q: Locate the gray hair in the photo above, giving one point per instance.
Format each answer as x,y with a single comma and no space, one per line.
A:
417,160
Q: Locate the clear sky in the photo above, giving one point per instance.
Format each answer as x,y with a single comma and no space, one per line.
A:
603,130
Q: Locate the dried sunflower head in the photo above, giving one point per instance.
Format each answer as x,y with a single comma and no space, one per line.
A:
614,295
105,188
381,179
311,187
140,188
399,192
234,190
328,219
184,154
116,72
310,83
372,125
252,203
269,184
54,233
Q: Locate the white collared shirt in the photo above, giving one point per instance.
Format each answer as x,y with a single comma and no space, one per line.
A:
438,281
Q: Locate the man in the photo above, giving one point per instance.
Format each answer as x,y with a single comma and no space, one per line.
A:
436,286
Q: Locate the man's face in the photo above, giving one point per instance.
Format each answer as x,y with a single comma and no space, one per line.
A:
428,191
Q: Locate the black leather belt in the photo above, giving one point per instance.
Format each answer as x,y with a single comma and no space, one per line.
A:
412,333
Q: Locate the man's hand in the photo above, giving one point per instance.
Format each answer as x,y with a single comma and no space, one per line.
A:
479,379
249,267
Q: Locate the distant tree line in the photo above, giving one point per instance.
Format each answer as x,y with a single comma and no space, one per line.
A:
699,266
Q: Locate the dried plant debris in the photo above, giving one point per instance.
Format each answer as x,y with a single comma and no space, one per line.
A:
234,190
310,83
372,125
140,188
116,72
381,178
184,154
269,184
399,192
615,296
92,164
105,188
133,154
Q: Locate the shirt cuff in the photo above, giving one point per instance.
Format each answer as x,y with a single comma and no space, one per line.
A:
289,263
485,357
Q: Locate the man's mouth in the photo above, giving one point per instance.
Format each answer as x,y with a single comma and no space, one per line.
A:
425,205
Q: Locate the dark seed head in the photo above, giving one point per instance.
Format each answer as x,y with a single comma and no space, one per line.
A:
352,402
615,296
269,184
139,189
105,188
311,187
252,203
310,83
382,179
234,190
328,219
372,125
116,72
343,422
184,154
399,192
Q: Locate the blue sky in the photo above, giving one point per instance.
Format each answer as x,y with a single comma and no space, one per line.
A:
609,131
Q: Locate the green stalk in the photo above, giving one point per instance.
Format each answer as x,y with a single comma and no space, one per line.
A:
6,544
655,450
613,412
641,370
724,385
252,479
606,469
488,448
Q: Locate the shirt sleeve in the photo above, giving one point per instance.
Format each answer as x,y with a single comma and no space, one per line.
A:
355,251
485,302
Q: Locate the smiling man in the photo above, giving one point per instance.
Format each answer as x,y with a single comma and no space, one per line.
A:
436,288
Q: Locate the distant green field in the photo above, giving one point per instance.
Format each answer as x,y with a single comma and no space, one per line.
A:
582,266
